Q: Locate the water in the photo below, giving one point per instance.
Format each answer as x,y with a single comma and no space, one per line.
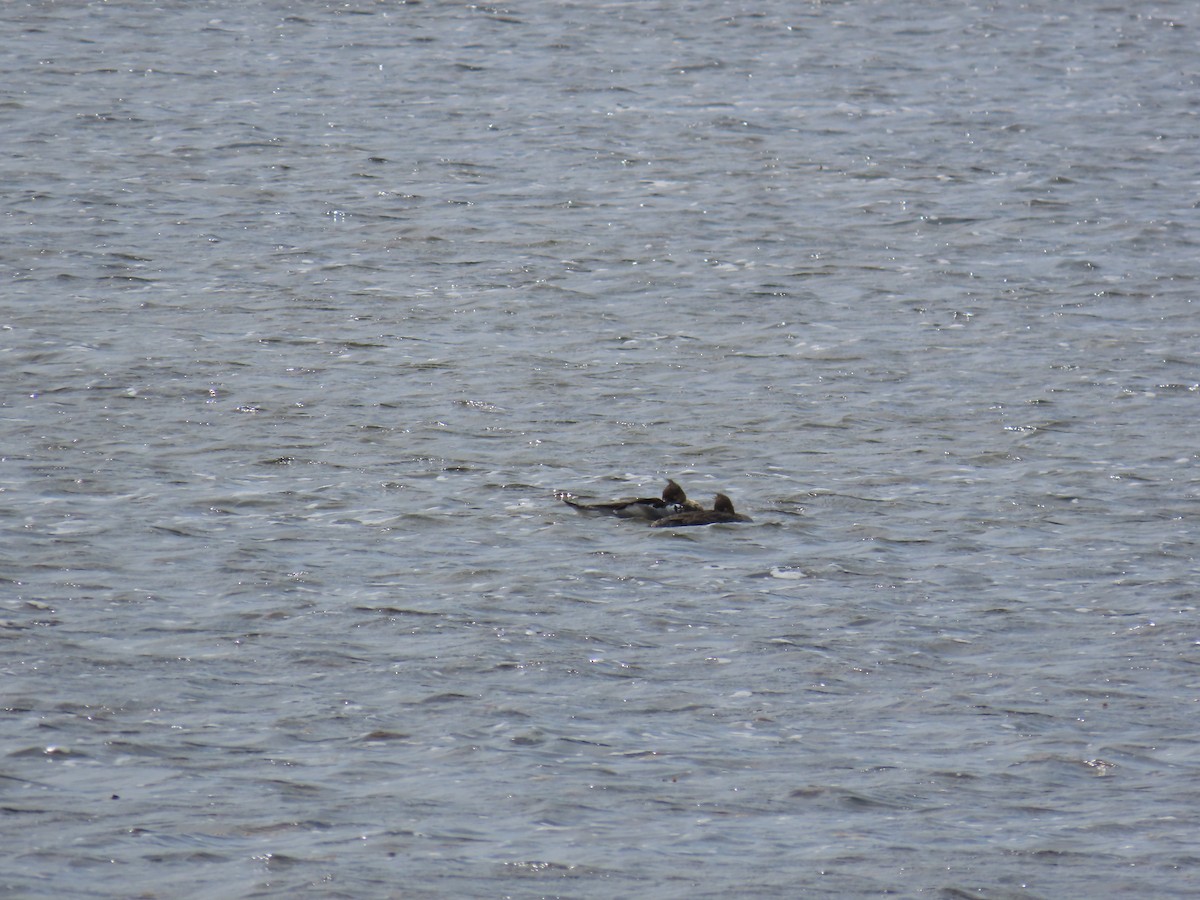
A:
309,309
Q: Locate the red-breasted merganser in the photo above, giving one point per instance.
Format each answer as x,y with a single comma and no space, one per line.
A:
722,511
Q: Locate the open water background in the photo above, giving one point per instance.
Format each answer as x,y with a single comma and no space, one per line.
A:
308,308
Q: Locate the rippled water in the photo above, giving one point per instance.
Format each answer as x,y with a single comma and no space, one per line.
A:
309,309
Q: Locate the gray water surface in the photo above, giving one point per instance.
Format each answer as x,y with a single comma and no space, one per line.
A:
309,309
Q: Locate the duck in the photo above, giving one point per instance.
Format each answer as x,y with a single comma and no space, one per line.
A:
672,502
721,512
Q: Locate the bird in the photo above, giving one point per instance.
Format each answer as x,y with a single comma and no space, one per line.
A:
721,512
672,502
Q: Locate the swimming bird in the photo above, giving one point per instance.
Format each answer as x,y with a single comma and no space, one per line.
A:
722,511
673,501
